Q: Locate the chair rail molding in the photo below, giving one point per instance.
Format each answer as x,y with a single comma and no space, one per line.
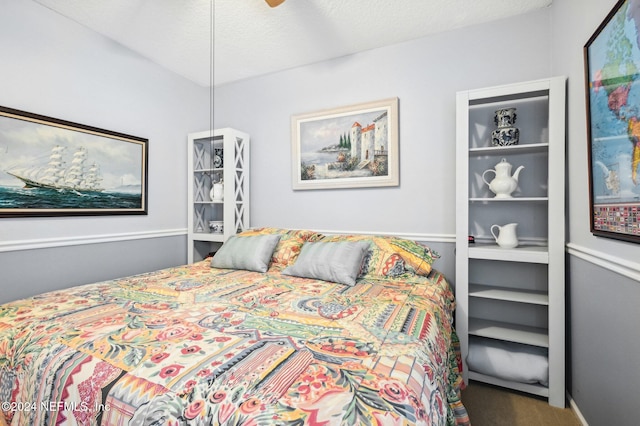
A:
615,264
41,243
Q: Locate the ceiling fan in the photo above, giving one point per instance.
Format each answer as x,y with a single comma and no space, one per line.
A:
274,3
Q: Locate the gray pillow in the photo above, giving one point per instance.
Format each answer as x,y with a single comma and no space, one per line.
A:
252,253
338,262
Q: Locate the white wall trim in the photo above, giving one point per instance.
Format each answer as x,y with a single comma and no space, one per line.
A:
576,410
41,243
86,239
439,238
613,263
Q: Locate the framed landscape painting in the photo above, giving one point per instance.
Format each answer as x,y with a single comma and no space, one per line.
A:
348,147
52,167
612,75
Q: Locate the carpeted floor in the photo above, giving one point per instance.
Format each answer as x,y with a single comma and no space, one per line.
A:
489,405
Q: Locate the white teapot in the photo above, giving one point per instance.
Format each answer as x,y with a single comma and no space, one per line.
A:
503,184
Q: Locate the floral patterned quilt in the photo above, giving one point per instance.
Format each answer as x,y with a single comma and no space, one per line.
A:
205,346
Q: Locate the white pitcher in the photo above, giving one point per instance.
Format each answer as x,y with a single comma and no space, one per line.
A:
506,237
217,192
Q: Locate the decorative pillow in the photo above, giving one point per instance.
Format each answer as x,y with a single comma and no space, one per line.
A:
289,246
381,263
509,360
380,260
251,253
338,262
418,257
391,256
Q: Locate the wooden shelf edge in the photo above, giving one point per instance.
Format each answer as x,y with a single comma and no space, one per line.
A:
509,294
527,335
532,254
211,237
534,389
507,200
511,149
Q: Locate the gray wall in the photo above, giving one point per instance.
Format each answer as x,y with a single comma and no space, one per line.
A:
574,21
425,75
29,272
604,343
55,67
604,274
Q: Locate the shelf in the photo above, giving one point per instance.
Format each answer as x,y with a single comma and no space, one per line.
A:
232,207
509,93
208,236
534,389
534,336
210,170
507,200
508,294
511,149
532,254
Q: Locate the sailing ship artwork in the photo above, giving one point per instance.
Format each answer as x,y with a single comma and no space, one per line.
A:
54,175
50,167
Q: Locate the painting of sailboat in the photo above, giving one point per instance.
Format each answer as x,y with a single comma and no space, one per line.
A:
55,175
50,167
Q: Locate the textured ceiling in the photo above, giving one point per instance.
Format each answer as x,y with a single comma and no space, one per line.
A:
251,39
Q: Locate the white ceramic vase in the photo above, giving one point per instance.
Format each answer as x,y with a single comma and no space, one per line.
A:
506,133
217,192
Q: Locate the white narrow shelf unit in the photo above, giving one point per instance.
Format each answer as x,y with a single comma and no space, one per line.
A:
513,295
233,210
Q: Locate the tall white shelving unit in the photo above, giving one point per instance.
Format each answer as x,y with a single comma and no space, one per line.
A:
203,171
513,295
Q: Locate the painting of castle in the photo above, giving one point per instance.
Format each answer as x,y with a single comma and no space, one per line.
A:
348,147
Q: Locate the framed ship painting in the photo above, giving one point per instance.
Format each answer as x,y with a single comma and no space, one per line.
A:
52,167
349,147
612,76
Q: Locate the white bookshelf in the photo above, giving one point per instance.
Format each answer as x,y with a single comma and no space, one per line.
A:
233,210
513,295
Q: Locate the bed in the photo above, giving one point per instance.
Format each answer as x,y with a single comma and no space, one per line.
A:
289,327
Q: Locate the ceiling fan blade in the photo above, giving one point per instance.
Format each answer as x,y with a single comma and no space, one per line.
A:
274,3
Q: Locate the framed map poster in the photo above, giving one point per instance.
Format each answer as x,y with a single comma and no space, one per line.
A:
612,75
